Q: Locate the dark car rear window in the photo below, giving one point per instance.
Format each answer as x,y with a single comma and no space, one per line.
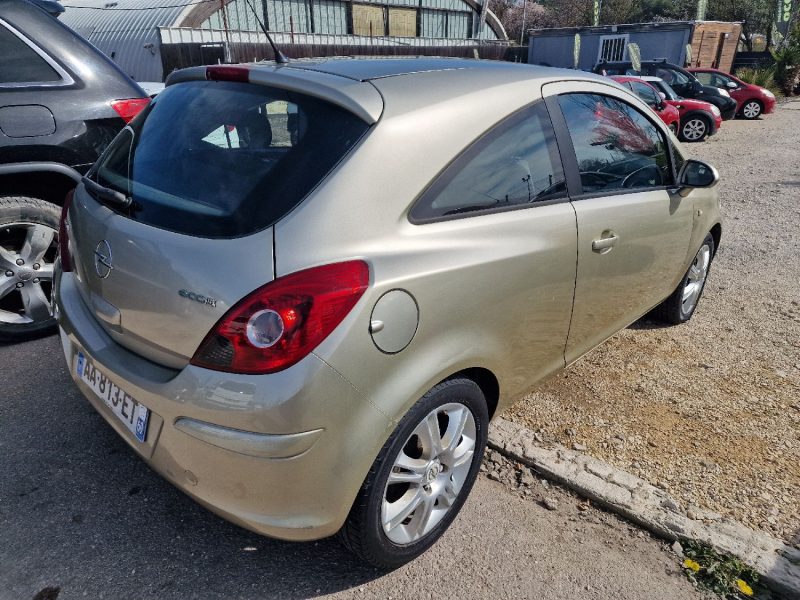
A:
224,159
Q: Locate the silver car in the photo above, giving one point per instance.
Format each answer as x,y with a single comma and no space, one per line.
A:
301,292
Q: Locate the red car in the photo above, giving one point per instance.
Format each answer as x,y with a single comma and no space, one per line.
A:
752,101
651,97
698,119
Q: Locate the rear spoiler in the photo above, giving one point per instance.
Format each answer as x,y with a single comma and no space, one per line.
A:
357,97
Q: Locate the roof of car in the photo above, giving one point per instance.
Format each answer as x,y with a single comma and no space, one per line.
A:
367,69
360,84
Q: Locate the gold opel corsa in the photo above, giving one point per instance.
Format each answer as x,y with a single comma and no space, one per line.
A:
300,292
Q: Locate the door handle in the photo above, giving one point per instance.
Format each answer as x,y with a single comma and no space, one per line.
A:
605,243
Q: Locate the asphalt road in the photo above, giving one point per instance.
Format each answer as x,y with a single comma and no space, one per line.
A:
80,512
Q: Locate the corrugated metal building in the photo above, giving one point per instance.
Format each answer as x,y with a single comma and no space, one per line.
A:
147,38
713,43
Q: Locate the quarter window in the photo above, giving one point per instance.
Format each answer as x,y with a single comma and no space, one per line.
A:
19,63
616,146
515,164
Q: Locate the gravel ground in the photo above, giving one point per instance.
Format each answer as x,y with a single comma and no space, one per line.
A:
710,410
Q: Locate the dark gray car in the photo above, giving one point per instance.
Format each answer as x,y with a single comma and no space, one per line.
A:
61,103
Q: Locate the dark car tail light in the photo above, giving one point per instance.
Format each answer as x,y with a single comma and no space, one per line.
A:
282,322
128,109
63,235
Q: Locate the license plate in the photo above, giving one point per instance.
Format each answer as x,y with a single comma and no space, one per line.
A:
125,407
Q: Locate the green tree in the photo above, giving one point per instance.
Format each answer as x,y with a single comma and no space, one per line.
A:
756,16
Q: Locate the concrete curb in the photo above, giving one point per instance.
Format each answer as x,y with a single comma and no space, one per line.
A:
651,507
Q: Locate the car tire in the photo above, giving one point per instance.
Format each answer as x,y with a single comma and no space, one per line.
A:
695,128
392,523
682,303
28,249
752,109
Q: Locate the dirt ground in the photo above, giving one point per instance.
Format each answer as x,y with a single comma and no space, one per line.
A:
710,410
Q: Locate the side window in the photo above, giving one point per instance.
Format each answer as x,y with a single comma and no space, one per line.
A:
516,163
704,77
721,80
646,93
19,63
616,146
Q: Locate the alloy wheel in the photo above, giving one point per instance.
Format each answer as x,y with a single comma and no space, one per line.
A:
694,130
428,473
751,110
27,255
696,279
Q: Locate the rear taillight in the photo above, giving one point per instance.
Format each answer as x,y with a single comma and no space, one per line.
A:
128,109
63,235
281,323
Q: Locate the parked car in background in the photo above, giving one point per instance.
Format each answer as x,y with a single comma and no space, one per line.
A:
301,379
61,104
698,119
650,96
682,81
752,101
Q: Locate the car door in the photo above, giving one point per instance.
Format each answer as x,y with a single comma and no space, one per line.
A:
633,227
503,240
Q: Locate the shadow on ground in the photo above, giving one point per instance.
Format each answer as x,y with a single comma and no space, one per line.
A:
79,511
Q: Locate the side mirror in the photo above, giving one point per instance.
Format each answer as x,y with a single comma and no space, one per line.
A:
732,85
662,95
696,174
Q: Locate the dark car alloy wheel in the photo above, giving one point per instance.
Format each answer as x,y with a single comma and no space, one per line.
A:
28,249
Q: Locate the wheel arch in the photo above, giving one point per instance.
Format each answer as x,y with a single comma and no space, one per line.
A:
486,381
716,233
43,180
696,113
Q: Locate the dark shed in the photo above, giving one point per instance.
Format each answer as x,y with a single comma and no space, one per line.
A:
554,47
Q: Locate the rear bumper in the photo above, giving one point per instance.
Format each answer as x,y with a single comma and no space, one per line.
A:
282,454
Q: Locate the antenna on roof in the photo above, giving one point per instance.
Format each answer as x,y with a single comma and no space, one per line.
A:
280,57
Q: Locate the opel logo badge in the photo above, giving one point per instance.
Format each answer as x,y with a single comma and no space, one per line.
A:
102,259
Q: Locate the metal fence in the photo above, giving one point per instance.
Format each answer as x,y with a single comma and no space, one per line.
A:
183,47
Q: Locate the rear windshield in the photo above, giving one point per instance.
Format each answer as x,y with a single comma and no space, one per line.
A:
224,159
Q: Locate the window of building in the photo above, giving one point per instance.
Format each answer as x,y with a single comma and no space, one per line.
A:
454,24
369,20
613,48
515,164
399,18
289,15
330,16
402,22
616,146
19,63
